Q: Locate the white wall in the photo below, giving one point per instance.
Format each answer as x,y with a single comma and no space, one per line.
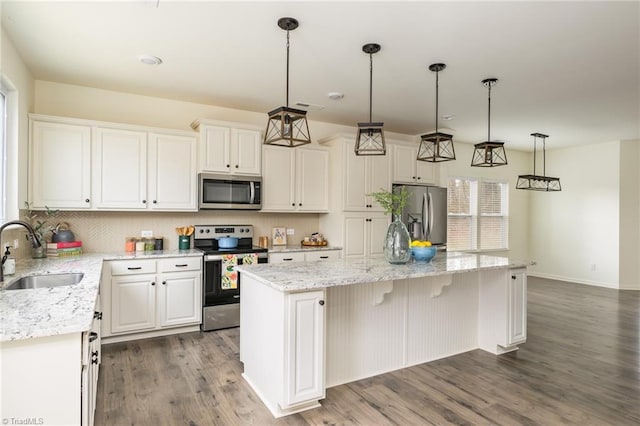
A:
574,234
629,215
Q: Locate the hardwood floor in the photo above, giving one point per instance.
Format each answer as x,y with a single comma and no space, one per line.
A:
580,365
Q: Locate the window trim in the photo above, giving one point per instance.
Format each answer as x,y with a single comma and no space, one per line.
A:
475,211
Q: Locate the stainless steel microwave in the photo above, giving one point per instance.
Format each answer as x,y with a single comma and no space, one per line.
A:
229,192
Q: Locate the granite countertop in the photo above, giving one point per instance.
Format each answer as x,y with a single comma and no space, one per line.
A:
329,273
300,247
42,312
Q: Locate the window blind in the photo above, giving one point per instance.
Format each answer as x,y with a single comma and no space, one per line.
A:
477,214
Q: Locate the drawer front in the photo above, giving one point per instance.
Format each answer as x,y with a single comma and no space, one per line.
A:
286,257
130,267
322,255
175,264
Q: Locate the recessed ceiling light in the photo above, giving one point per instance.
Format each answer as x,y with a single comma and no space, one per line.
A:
336,96
448,117
149,60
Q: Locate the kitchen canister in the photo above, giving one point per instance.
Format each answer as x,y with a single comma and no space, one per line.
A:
159,244
184,242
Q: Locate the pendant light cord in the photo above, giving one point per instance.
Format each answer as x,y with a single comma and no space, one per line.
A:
287,68
544,157
370,87
437,76
534,154
489,116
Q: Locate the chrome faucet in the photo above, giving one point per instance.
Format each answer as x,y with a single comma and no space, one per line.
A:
35,243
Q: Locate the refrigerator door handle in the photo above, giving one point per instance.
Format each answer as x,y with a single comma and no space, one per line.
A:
432,216
425,217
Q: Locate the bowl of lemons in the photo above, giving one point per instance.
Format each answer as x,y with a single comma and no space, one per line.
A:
422,251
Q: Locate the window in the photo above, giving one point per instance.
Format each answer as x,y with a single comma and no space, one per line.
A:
478,214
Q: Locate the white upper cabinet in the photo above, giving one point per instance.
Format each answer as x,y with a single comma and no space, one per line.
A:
172,172
110,166
363,175
229,149
60,165
295,179
406,169
119,169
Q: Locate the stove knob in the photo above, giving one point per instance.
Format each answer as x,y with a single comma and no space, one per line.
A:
208,230
202,231
241,230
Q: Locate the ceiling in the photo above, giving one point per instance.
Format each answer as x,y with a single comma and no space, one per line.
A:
567,69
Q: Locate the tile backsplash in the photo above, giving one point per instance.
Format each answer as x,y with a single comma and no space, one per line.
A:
106,231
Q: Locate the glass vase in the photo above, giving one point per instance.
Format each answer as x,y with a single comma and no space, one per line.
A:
397,243
39,252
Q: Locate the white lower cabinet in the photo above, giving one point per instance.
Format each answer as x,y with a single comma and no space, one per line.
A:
304,346
364,234
53,379
307,255
517,307
151,295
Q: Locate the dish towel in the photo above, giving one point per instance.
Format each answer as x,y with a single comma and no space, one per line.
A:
250,258
229,273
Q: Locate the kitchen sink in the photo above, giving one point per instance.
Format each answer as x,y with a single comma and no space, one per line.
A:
45,281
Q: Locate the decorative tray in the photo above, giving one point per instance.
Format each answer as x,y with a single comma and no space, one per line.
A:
314,243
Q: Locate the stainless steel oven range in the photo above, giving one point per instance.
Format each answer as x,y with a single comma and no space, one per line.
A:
221,283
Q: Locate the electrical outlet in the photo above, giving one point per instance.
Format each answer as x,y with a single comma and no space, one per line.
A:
146,234
291,231
16,243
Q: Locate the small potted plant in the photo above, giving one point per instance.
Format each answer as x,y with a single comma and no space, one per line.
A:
40,227
397,242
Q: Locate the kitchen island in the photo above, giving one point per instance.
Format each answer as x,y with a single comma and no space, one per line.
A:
306,326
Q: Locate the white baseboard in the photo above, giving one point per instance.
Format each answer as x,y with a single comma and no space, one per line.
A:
572,280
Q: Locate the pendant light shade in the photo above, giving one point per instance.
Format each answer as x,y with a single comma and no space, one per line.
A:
287,126
488,153
536,182
436,147
370,139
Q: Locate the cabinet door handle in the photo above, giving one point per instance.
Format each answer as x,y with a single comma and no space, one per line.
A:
86,200
93,336
164,283
237,166
300,204
144,201
419,178
97,315
153,283
293,204
228,166
94,357
134,268
287,259
324,257
182,265
155,201
513,277
321,302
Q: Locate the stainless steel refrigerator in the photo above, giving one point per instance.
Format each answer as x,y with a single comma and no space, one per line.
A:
425,214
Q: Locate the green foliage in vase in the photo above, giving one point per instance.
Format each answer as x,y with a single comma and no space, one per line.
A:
390,202
39,221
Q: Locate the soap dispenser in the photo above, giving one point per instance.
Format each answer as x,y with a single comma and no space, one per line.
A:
8,262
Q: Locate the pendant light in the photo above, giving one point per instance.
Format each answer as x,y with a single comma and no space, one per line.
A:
536,182
287,126
489,154
370,139
436,147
